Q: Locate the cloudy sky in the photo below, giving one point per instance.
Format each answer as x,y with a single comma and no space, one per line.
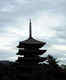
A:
48,24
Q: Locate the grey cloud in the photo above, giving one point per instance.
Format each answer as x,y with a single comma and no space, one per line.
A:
27,8
60,32
4,54
54,40
12,10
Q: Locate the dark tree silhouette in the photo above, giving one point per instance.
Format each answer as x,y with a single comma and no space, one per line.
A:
52,61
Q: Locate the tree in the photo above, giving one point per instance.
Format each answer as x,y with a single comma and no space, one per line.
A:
52,61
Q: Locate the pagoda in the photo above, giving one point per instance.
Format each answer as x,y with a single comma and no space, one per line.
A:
29,50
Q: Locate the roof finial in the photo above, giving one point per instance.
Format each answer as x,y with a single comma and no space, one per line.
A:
30,30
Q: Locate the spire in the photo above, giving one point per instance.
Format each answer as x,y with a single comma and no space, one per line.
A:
30,30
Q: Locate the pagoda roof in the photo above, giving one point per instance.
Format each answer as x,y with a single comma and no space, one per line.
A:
36,52
32,41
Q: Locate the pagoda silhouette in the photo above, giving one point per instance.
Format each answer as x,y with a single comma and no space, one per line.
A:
29,50
28,66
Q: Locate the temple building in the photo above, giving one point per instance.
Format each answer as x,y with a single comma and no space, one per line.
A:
28,66
29,50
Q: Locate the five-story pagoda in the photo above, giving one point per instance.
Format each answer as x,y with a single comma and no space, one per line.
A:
29,50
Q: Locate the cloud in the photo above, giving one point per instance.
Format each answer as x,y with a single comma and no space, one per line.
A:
59,47
13,58
48,21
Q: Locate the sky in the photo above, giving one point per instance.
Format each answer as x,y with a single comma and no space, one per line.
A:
48,25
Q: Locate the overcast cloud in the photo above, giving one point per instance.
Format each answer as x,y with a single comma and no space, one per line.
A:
48,24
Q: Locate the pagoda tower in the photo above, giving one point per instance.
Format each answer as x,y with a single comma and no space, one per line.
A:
29,50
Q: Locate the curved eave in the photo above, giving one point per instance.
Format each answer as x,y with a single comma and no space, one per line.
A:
25,52
25,45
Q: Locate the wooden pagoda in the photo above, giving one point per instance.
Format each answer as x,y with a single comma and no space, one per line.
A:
29,50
